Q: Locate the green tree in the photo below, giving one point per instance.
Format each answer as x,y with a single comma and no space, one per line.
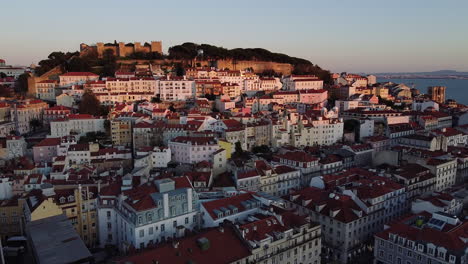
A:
21,84
90,104
3,75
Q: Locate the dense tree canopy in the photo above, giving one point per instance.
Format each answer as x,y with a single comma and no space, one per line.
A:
189,51
90,105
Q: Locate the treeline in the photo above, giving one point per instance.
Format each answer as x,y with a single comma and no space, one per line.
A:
72,62
189,51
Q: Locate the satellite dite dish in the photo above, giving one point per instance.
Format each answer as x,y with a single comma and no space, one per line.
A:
200,52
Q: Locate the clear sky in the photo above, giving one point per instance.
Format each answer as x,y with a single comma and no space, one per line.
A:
340,35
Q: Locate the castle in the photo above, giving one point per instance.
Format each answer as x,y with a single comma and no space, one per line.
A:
121,49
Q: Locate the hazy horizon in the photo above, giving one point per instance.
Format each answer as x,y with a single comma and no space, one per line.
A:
363,36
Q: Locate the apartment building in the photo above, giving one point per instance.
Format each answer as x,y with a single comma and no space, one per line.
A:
350,206
423,238
79,124
192,149
45,90
146,215
71,78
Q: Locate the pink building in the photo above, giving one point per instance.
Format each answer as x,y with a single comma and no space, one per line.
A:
46,150
313,96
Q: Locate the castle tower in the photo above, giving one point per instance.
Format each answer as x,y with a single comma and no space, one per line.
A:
100,48
137,47
121,50
156,46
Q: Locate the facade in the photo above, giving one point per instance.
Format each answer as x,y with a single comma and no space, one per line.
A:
71,78
423,238
437,93
45,90
79,124
349,217
192,149
138,217
176,89
121,132
25,111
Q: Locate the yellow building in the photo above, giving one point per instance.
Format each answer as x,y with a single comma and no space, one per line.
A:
121,131
38,206
227,146
81,210
11,217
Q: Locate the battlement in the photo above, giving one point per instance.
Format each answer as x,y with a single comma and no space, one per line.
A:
121,49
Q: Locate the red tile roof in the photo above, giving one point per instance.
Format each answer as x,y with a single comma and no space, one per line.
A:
223,247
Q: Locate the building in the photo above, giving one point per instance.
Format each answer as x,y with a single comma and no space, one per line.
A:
192,149
11,212
121,132
121,49
24,111
437,93
53,240
79,124
45,90
71,78
302,82
216,245
56,112
176,89
80,207
145,215
437,202
423,238
11,71
350,206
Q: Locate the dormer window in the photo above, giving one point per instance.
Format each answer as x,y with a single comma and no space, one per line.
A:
62,199
71,198
421,247
441,254
452,259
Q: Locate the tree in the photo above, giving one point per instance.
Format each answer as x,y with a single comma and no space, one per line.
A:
3,75
109,63
21,85
156,99
172,108
35,123
179,69
90,104
238,148
5,91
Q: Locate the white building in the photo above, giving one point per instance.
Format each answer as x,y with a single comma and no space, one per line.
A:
45,90
192,149
176,89
79,124
302,82
71,78
147,214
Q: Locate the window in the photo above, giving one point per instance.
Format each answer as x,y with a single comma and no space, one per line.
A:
142,233
150,231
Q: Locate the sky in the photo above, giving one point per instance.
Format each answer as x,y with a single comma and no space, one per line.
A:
339,35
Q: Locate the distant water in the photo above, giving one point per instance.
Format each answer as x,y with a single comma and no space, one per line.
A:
456,89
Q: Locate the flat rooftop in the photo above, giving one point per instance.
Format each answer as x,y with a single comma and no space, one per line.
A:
54,240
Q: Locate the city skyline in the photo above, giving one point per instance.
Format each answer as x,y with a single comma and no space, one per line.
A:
336,35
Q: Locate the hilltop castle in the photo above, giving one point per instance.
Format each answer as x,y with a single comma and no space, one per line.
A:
121,49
